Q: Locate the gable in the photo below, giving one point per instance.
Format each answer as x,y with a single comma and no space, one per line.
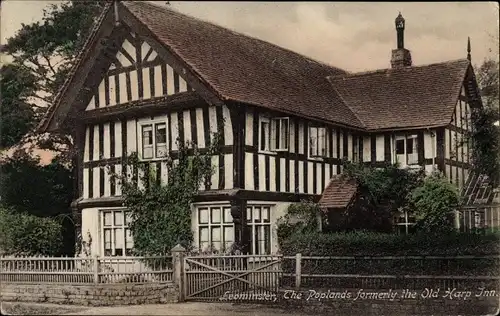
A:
137,72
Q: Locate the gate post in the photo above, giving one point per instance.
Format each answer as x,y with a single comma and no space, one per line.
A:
178,253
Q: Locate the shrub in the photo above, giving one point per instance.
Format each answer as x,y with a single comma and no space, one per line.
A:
300,218
434,202
24,234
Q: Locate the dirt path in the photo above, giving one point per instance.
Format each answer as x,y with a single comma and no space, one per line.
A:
224,309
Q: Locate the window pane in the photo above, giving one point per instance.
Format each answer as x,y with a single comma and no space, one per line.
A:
264,136
161,133
161,150
228,237
277,132
409,145
216,215
147,135
147,152
313,141
129,240
256,214
249,214
107,239
284,134
267,239
228,218
203,234
128,218
256,240
119,238
203,215
216,234
265,214
118,218
107,219
273,135
400,147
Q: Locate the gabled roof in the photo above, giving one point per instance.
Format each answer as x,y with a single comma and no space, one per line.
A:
339,193
236,67
418,96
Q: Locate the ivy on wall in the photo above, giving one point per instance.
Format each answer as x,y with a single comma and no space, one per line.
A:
161,212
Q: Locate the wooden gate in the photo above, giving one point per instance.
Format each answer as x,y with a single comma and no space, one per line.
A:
232,278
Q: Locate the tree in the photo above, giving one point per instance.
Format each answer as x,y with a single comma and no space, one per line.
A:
485,137
43,52
43,191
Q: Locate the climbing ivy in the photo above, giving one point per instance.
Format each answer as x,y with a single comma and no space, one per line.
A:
160,213
300,218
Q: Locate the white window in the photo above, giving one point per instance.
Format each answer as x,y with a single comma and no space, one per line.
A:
404,223
407,150
274,134
154,140
259,225
115,233
215,228
318,142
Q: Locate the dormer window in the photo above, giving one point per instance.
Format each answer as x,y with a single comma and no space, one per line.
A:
274,134
154,140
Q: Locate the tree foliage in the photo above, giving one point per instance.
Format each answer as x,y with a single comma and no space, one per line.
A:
43,191
485,137
300,218
433,203
161,212
42,54
24,234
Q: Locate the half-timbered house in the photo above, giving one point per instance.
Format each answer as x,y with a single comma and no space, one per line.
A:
149,75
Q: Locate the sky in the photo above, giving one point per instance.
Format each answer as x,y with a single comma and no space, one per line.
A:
355,36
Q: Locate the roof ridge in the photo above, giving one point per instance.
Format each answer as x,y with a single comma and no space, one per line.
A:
384,70
170,10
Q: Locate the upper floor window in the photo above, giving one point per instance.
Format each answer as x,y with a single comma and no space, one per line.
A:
407,149
318,144
154,140
274,134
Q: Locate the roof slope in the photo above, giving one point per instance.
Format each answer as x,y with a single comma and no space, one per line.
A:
339,192
419,96
245,69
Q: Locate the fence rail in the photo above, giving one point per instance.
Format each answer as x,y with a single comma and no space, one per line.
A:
87,270
207,274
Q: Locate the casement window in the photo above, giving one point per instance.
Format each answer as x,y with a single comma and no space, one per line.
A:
215,228
115,233
407,149
274,134
404,223
154,140
259,224
318,142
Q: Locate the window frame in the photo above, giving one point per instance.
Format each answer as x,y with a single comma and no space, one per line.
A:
125,227
405,154
155,145
210,225
260,227
270,141
408,221
326,142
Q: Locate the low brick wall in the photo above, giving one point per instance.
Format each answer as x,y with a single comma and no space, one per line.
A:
391,302
93,295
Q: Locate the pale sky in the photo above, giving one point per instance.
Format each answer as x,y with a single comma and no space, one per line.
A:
354,36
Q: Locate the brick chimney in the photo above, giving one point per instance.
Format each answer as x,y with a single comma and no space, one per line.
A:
401,57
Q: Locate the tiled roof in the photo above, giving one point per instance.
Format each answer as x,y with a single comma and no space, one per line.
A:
339,192
248,70
245,69
419,96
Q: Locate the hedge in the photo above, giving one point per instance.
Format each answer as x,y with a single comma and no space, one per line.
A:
379,244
